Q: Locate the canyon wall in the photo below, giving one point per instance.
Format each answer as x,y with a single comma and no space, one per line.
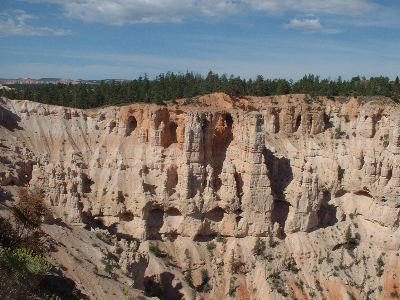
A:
205,179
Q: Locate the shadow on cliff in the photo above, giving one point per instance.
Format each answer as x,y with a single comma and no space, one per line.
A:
158,285
279,172
162,287
58,285
154,218
327,212
92,222
280,175
9,120
137,270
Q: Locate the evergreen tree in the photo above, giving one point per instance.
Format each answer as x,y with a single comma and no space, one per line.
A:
170,86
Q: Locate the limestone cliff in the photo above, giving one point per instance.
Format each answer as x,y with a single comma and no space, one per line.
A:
204,180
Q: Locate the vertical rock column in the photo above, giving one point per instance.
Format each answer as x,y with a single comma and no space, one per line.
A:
394,147
257,199
192,168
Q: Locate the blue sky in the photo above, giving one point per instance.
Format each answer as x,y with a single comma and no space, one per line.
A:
97,39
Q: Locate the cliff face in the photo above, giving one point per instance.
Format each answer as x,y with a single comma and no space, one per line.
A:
204,178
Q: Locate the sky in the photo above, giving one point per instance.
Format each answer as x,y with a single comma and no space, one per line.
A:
124,39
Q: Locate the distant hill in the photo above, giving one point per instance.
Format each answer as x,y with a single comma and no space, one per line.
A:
50,79
39,81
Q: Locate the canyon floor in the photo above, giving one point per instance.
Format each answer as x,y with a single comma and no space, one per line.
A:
215,197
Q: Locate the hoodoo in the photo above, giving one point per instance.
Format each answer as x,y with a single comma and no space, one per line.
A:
218,198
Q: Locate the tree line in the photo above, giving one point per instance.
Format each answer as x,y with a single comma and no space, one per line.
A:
171,86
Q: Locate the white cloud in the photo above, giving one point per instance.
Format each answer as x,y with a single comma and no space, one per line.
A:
12,23
312,24
118,12
337,7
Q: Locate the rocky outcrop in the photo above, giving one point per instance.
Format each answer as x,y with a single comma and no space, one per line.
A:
218,174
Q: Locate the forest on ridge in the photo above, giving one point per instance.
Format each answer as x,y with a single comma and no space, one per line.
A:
171,86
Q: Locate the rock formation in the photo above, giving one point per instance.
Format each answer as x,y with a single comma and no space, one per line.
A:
203,181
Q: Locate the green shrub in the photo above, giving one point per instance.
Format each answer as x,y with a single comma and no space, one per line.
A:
381,266
339,134
105,237
156,251
277,283
232,287
51,297
109,268
25,261
21,272
188,275
291,265
234,264
221,239
126,293
207,288
395,294
205,282
318,285
271,241
189,279
329,259
385,140
351,296
31,207
259,247
350,242
210,247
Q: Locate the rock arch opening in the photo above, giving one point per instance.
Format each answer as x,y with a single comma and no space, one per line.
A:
154,222
222,136
279,214
229,120
172,131
131,125
204,125
111,126
170,134
126,216
215,215
389,175
327,212
327,122
201,238
149,188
